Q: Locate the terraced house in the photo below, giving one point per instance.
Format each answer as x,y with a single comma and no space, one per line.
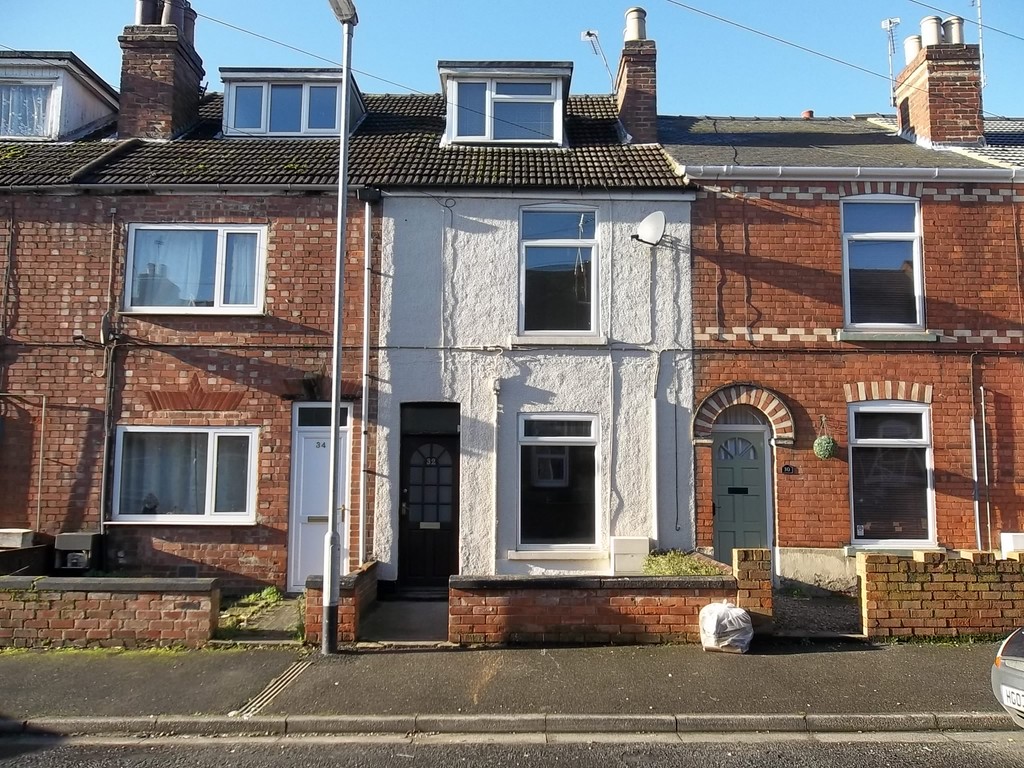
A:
167,310
859,279
517,375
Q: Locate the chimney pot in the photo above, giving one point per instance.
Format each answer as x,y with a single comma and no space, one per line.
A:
636,24
953,30
911,47
931,31
807,114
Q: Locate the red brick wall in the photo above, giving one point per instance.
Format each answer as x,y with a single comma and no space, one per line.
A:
931,594
939,95
636,87
67,251
631,610
128,613
357,593
160,77
768,298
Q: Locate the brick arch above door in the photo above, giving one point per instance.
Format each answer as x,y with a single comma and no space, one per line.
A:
765,400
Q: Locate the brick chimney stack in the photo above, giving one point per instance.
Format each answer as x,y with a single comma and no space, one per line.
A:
160,71
938,94
636,84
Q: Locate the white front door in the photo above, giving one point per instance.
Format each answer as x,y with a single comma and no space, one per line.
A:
311,477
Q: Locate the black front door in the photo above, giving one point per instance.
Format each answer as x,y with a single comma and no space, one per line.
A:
428,515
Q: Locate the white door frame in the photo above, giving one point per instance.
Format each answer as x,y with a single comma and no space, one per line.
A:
767,445
345,493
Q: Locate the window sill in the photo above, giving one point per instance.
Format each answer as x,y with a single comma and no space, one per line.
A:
559,340
881,335
193,311
901,549
177,521
557,554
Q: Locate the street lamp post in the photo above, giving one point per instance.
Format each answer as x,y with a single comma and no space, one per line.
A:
345,10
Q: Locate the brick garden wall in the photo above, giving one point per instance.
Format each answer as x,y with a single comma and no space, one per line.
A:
630,610
357,593
127,613
67,250
768,300
934,594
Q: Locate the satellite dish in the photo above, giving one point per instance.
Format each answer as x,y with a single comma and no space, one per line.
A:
651,229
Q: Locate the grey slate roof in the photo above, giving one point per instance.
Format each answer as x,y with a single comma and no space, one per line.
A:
831,142
1005,138
397,144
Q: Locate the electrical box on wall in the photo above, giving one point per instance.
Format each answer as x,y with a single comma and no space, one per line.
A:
628,553
76,553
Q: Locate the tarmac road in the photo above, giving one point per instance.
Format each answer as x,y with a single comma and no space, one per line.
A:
906,750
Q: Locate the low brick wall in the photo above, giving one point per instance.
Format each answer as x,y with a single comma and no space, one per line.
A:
357,593
128,613
597,609
934,594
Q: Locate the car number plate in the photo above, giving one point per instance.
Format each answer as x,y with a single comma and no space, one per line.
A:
1012,697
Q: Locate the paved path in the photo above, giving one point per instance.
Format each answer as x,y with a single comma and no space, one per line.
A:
778,686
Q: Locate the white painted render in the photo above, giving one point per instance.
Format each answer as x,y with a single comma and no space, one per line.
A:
449,315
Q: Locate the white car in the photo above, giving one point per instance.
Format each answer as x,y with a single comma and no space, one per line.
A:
1008,676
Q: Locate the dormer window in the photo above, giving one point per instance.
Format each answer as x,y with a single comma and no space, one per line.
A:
25,110
292,102
511,103
47,96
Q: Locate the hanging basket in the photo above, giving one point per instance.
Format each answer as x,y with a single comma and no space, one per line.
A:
825,447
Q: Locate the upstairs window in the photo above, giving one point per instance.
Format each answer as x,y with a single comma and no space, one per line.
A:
287,109
25,110
882,258
558,272
518,111
195,269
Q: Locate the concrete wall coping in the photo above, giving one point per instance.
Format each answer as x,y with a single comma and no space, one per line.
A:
625,583
347,581
101,584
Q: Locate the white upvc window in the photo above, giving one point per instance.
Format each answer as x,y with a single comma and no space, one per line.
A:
188,475
196,268
558,481
282,108
891,480
519,111
25,109
558,273
883,279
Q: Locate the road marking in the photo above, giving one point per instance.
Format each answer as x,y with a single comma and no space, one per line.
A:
274,687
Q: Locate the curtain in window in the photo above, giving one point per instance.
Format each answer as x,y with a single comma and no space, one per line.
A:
240,269
163,473
23,109
174,268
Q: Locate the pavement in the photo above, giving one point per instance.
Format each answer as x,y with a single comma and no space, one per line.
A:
780,685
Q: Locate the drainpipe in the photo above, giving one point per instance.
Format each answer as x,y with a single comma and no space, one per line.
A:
109,341
368,197
984,450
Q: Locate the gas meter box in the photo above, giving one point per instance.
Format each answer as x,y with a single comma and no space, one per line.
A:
76,553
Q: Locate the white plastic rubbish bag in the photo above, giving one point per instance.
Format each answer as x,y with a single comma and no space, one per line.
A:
724,627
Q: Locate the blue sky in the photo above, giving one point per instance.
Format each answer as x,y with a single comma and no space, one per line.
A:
705,66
